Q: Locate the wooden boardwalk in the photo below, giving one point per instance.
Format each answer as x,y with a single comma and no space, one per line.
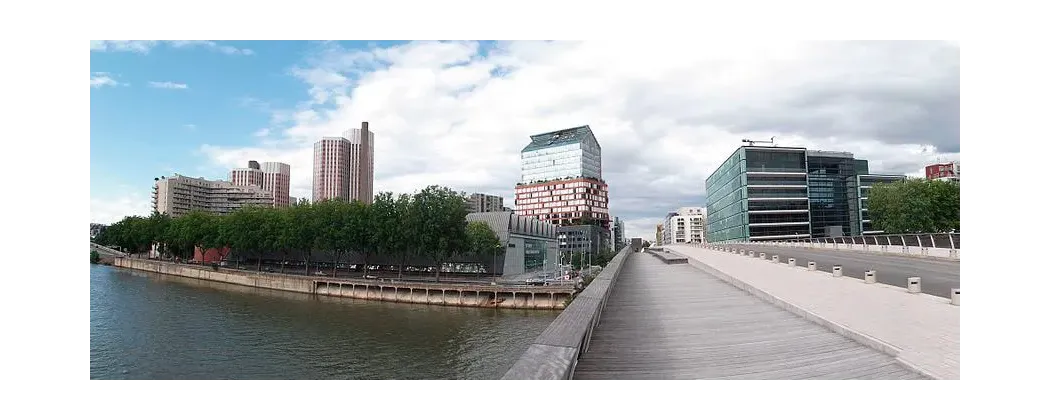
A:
676,322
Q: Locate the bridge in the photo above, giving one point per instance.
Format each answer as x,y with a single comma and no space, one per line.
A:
105,251
721,312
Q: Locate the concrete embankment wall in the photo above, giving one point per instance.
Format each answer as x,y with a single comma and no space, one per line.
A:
437,294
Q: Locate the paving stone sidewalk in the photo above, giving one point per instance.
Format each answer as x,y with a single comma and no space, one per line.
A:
923,328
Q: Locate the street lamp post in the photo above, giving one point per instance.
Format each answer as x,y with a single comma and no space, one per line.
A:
494,249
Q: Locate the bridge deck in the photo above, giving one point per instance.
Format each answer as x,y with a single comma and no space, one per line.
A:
676,322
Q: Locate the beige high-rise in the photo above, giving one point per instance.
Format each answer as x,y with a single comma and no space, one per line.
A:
272,177
344,166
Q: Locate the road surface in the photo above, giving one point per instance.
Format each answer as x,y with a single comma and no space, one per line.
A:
938,276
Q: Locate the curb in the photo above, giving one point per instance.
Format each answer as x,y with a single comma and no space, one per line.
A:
835,327
889,253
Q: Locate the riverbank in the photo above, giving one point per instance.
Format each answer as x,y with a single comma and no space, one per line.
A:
448,294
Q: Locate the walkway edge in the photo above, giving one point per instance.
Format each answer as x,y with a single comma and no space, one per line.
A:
840,329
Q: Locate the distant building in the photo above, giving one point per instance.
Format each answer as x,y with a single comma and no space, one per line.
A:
618,234
561,179
781,193
344,166
97,229
659,234
943,171
272,177
481,203
684,226
583,238
178,195
530,244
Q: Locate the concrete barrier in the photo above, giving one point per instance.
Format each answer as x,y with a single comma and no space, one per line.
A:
791,262
955,297
812,266
554,353
914,285
869,277
836,271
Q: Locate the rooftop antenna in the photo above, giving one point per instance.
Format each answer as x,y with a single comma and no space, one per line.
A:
752,142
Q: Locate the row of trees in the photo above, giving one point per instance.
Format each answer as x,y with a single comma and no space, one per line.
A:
914,206
429,223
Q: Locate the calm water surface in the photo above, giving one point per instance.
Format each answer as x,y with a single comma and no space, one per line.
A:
155,326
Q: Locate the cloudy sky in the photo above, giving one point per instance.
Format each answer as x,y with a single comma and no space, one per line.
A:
459,113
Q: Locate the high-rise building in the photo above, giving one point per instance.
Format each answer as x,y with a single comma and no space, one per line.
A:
618,234
272,177
583,239
178,195
344,166
684,226
943,171
776,193
482,203
659,234
561,179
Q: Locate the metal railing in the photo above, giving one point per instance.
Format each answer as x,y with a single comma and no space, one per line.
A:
926,240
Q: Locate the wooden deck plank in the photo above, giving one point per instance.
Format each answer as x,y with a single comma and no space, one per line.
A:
666,321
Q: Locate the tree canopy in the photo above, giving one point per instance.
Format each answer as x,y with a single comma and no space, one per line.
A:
915,206
431,222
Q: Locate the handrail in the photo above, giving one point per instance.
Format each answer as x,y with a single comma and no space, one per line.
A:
553,355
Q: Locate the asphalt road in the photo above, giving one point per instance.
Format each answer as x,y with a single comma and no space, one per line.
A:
938,276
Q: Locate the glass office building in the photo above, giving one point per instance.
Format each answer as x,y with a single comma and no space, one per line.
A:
864,183
782,193
569,153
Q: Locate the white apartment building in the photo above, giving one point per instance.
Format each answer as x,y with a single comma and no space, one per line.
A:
178,195
344,166
686,225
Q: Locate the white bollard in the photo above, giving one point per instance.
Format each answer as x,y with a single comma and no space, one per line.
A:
812,266
955,297
776,259
835,245
885,248
791,262
751,253
924,251
762,255
869,276
914,285
836,271
953,253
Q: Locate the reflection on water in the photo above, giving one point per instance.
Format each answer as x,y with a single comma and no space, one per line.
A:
156,326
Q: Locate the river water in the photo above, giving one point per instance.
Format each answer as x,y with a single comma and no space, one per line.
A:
155,326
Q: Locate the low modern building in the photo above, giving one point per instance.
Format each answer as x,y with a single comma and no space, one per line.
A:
780,193
481,203
684,226
659,234
531,245
583,239
943,171
178,195
864,184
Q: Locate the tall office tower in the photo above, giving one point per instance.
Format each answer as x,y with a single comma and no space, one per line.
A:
179,195
344,166
561,179
272,177
777,193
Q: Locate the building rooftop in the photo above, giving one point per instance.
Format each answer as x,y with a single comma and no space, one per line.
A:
558,138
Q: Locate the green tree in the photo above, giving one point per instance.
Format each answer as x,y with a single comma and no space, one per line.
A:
915,206
440,223
333,229
361,229
483,242
392,221
246,232
95,258
300,231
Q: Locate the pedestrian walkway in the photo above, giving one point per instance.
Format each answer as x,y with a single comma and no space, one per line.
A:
674,321
923,328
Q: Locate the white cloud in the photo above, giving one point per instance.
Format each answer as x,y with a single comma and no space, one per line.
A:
666,115
100,79
190,127
143,47
168,85
112,209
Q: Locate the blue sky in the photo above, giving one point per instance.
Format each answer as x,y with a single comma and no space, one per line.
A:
458,113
